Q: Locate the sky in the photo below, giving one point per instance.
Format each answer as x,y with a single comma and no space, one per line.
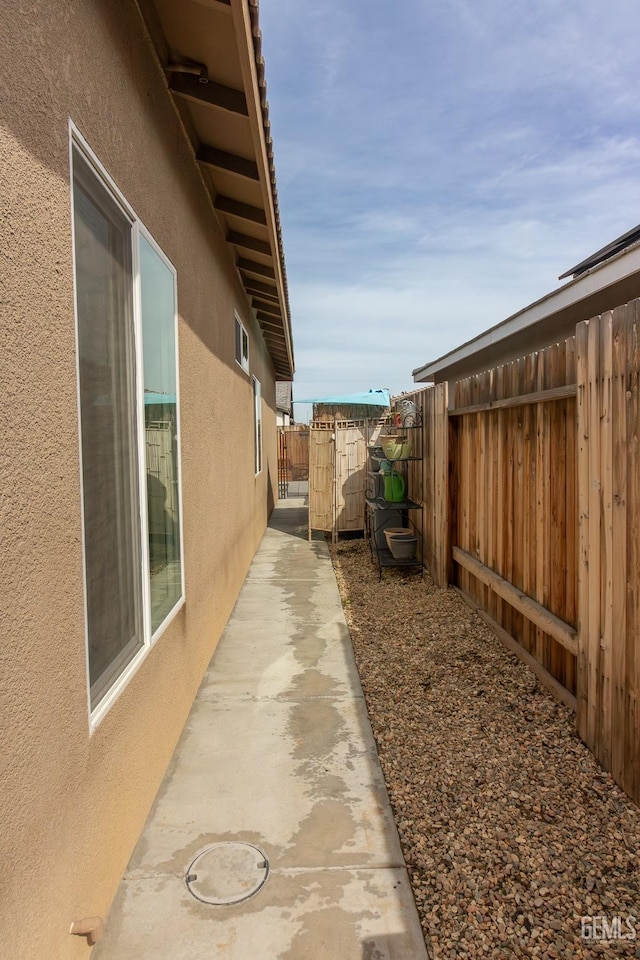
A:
439,163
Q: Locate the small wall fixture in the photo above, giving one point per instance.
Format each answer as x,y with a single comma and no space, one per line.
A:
199,70
91,927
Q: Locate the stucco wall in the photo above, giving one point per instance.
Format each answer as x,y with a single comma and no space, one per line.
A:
72,803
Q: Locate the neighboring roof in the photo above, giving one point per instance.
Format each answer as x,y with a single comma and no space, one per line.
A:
409,394
211,54
283,395
620,243
604,286
371,398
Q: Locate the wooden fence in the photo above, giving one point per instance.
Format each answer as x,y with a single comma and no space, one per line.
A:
293,452
530,486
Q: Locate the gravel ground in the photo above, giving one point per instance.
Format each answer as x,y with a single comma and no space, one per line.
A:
511,831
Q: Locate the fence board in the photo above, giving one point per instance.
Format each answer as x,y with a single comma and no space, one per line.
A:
571,509
556,531
593,547
631,730
583,418
540,507
440,540
606,541
492,493
510,419
350,473
499,493
517,419
321,483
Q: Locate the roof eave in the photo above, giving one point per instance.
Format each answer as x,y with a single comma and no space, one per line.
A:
245,14
238,176
589,288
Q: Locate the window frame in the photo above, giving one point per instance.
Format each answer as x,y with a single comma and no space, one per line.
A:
120,680
257,424
141,231
239,328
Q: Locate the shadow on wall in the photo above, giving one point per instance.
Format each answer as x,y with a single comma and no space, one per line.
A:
164,532
270,499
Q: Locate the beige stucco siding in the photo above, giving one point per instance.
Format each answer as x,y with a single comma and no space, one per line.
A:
72,803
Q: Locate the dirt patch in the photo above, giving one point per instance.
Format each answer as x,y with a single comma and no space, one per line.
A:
514,837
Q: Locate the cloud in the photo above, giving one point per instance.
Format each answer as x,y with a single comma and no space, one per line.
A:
439,164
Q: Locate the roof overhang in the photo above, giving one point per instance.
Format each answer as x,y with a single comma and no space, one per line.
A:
549,320
210,51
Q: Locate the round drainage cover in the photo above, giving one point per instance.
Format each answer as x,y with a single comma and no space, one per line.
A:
227,873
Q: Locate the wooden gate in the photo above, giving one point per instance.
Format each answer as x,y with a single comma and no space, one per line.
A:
337,476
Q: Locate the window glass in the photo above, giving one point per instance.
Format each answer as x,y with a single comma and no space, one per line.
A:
106,363
242,345
157,288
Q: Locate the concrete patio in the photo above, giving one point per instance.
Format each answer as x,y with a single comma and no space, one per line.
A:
277,754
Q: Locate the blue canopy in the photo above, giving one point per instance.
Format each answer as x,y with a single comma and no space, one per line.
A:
151,397
372,398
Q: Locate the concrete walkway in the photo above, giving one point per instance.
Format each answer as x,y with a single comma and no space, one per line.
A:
278,754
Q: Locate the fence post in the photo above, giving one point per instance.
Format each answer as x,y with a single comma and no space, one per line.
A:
441,528
608,413
583,420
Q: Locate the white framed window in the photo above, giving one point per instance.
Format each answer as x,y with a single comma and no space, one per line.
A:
257,424
242,344
126,334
